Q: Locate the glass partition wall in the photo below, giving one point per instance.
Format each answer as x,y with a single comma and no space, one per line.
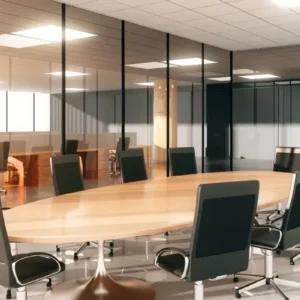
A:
30,113
265,105
116,90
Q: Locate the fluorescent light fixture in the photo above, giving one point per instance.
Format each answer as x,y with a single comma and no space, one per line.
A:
75,89
259,76
149,65
53,33
243,71
195,61
288,3
282,82
295,82
68,74
220,78
145,83
13,41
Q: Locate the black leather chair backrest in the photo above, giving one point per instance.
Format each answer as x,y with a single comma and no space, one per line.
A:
71,146
6,275
182,161
287,159
224,218
132,164
291,220
66,174
4,153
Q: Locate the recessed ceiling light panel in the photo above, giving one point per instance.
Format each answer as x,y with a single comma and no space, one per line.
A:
220,78
288,3
149,65
53,33
14,41
243,71
145,83
195,61
68,74
259,76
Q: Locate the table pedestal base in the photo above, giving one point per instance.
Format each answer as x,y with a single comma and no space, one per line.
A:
102,286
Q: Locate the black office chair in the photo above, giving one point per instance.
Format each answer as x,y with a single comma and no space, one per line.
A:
4,153
21,270
221,234
287,159
182,161
270,238
114,158
132,164
67,178
71,147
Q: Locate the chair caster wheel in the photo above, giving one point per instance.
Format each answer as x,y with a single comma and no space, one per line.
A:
75,257
277,276
111,253
237,295
57,249
166,233
236,279
88,243
278,252
49,284
8,294
292,263
111,244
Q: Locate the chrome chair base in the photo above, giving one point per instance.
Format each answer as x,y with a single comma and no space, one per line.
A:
269,278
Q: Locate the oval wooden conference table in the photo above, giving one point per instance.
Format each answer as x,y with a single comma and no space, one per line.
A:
123,211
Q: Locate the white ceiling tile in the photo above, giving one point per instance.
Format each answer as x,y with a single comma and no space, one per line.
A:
161,8
76,2
236,17
191,4
184,15
279,20
204,23
271,12
135,3
235,34
217,10
219,28
129,14
286,40
251,24
257,41
103,6
266,30
151,20
248,5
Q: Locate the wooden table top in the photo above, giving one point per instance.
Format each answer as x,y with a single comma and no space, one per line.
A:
128,210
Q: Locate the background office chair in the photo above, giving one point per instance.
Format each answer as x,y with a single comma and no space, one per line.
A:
182,161
67,178
71,147
220,247
4,153
114,157
270,238
132,164
287,159
18,271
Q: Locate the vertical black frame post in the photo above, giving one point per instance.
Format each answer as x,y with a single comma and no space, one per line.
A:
63,80
123,84
203,109
231,111
192,113
168,102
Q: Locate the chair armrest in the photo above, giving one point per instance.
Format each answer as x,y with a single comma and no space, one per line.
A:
178,251
277,219
263,237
